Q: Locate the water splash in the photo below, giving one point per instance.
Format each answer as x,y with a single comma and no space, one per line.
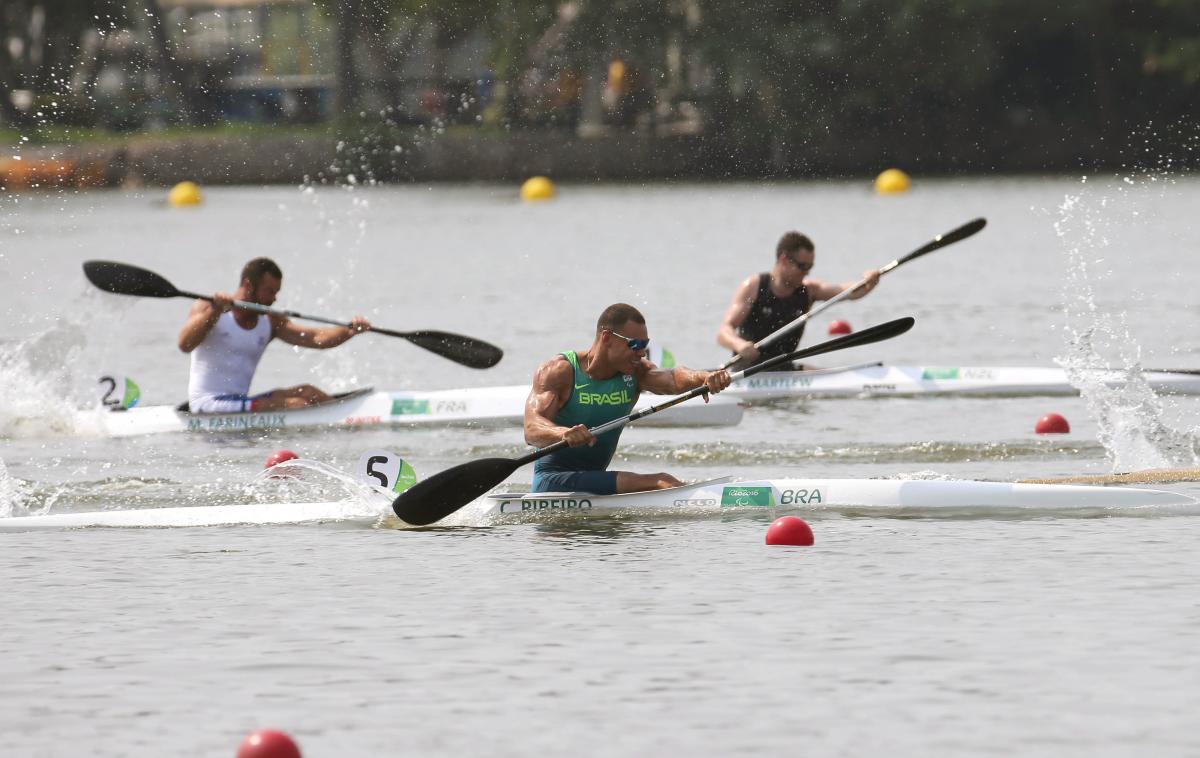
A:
297,481
340,211
1133,427
341,218
13,493
301,479
38,383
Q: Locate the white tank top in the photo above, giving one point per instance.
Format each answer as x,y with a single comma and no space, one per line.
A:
224,363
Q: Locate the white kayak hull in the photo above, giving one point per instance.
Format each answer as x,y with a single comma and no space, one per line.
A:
714,496
877,379
205,515
816,494
481,407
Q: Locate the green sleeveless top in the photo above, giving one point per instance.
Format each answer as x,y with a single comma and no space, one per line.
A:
592,402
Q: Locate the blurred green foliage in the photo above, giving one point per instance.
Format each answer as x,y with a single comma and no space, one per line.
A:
948,82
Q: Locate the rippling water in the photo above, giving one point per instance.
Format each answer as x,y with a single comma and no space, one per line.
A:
900,633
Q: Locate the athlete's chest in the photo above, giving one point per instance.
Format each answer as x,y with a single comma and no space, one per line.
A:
230,332
619,390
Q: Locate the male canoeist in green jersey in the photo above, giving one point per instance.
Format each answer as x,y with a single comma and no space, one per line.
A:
580,389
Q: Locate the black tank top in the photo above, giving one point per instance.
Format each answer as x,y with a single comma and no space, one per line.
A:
769,313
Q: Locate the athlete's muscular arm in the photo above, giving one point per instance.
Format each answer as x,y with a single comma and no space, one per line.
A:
820,290
552,385
674,381
201,319
322,338
735,316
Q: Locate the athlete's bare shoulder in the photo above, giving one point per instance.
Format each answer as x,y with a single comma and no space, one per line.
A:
554,373
747,291
552,385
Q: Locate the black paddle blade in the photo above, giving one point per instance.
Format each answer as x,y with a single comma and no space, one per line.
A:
123,279
949,238
445,492
468,351
877,333
884,331
964,231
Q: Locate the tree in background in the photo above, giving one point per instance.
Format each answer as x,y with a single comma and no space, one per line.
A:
821,85
39,45
946,82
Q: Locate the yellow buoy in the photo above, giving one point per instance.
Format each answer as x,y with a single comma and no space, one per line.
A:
537,188
891,181
184,193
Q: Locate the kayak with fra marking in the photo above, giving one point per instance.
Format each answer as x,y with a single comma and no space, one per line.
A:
479,406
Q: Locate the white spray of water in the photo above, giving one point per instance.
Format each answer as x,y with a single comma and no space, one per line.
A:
341,222
1130,416
13,492
303,480
38,383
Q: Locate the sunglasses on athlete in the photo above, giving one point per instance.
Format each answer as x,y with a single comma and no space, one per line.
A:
634,345
806,267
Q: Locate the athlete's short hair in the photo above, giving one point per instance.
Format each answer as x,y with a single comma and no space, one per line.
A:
793,242
255,269
617,315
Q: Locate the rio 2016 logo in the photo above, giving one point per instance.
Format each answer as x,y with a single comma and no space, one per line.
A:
735,496
742,497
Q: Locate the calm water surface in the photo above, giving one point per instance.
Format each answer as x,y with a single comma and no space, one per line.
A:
1044,635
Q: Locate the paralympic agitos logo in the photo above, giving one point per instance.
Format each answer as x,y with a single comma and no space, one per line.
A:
743,496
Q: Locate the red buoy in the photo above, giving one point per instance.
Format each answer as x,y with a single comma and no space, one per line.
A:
840,327
1052,423
789,530
268,743
279,456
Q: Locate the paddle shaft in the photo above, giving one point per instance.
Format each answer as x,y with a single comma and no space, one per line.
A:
124,279
266,310
940,241
863,337
1145,476
448,490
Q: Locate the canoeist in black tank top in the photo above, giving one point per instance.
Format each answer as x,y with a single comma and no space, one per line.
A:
765,303
770,313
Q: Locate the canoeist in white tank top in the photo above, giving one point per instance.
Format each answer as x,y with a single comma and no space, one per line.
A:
227,343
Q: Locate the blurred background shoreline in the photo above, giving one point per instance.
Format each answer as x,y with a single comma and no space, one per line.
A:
105,93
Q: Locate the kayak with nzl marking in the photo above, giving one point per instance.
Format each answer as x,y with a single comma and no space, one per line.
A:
878,379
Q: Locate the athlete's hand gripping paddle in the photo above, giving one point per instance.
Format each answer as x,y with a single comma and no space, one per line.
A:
938,242
446,491
124,279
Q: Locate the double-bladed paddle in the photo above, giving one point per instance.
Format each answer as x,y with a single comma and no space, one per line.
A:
124,279
446,491
938,242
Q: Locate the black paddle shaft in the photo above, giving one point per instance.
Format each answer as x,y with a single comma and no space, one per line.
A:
949,238
124,279
445,492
